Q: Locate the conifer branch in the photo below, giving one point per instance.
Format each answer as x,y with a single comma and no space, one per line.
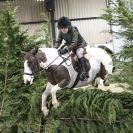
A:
5,85
85,119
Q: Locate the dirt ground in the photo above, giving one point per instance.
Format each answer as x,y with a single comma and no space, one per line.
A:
113,87
116,87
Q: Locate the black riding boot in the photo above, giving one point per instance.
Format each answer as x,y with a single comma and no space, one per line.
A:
83,74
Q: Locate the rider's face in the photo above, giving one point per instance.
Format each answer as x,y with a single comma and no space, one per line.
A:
64,30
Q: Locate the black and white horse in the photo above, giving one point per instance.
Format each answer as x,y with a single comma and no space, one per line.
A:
60,71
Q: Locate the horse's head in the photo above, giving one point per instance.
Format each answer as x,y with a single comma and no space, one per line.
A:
31,66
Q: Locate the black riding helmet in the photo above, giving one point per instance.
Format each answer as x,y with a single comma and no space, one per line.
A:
64,22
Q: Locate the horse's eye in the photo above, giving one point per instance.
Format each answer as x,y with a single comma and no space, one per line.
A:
28,63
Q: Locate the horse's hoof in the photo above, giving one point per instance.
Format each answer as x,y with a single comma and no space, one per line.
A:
56,105
45,111
106,84
96,85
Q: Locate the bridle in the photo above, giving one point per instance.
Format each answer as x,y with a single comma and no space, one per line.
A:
64,60
30,74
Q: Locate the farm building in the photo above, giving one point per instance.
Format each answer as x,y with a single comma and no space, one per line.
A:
85,14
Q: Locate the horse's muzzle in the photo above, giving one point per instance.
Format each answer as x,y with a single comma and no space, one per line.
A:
28,83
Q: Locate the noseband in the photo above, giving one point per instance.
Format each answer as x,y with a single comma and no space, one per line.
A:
30,74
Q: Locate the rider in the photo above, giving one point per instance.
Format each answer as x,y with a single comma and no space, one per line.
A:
74,42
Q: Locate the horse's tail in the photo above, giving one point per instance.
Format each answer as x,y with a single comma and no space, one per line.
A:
110,52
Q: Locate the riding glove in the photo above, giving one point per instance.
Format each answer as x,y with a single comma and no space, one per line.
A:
56,46
62,51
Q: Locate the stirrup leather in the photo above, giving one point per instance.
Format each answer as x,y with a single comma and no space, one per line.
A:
83,76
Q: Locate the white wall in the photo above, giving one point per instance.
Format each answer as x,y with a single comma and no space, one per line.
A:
27,11
93,30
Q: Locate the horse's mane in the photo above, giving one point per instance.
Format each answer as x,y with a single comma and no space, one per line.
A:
48,50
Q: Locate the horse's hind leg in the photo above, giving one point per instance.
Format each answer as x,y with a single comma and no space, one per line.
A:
104,75
54,99
101,81
106,82
44,98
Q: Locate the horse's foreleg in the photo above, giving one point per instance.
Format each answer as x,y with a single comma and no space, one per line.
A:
44,98
98,81
54,99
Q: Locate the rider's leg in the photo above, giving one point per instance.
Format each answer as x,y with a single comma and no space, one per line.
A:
80,55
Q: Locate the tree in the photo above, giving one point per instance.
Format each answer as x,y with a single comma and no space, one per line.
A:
19,104
91,111
119,14
43,36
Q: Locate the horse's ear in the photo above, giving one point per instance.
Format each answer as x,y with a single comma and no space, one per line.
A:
23,53
34,51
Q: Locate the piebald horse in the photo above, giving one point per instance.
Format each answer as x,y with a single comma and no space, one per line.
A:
60,72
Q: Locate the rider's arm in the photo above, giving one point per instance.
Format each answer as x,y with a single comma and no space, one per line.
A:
74,41
59,40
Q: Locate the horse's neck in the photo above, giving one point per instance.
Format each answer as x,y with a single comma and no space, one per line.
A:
51,54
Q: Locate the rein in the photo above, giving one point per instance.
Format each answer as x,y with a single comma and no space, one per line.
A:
52,62
64,60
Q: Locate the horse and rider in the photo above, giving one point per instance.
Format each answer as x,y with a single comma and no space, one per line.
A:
95,63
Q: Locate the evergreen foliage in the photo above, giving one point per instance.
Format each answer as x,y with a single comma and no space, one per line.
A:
92,111
119,14
19,104
42,37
